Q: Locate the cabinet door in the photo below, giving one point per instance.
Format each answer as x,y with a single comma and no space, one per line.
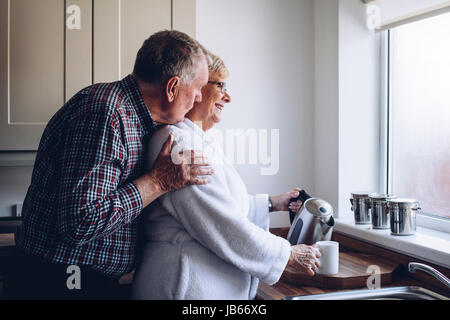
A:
120,28
31,69
41,65
184,16
78,46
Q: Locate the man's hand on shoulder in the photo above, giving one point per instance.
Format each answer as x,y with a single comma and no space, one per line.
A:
172,172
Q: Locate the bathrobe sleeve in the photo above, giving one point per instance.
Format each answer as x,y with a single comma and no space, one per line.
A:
215,219
259,210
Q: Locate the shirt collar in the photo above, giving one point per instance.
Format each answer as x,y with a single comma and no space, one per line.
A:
132,91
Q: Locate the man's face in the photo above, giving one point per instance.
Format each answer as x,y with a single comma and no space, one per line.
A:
188,94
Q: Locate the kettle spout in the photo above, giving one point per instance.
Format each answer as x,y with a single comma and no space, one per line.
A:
327,226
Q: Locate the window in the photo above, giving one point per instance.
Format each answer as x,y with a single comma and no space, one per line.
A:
418,106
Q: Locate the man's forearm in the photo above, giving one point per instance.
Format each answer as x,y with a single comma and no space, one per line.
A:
81,222
149,189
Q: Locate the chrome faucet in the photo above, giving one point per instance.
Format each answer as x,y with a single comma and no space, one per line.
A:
414,266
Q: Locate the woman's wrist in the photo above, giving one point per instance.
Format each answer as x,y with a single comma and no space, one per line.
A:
282,202
271,207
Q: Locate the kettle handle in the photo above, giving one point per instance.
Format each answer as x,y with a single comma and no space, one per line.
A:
303,196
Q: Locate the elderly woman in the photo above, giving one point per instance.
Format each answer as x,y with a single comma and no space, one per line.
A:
211,241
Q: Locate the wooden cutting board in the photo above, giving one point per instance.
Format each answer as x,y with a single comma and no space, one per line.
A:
353,272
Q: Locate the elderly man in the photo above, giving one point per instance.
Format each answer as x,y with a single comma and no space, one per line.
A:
89,185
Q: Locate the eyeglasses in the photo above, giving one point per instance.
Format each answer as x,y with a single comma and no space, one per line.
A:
221,85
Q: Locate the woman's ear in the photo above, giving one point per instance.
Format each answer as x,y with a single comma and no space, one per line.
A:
172,87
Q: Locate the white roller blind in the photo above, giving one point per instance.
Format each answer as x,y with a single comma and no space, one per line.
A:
397,12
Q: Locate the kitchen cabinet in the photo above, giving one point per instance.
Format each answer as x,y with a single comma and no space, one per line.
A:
32,73
50,49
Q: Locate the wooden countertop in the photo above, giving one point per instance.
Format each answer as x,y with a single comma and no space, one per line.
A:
7,240
7,229
282,288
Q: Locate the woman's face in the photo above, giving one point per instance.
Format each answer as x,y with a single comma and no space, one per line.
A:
209,110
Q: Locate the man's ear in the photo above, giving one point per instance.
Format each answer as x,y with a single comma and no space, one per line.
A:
172,87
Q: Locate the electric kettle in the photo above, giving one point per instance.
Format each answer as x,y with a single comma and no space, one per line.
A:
314,221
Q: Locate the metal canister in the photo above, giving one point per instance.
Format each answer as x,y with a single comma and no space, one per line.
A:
360,205
379,211
403,216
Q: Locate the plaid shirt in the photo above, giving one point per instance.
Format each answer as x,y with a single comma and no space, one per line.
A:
81,206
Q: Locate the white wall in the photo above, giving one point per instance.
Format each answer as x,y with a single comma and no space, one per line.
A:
359,104
268,46
347,104
326,117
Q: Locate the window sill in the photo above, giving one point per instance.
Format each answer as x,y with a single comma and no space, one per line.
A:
428,245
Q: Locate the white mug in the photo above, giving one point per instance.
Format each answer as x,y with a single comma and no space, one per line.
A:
329,261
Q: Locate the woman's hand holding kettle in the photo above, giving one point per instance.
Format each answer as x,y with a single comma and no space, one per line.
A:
281,202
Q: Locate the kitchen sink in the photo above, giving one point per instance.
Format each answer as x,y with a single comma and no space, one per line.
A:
395,293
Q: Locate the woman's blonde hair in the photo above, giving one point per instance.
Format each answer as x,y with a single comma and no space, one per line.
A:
216,64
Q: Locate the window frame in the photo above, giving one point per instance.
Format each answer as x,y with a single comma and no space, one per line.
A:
424,220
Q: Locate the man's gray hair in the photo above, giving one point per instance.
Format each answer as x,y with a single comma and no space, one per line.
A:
166,54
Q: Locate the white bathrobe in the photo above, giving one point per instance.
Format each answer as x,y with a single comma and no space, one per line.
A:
207,241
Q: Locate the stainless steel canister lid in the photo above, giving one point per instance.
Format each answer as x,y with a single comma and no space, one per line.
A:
361,195
404,203
381,197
